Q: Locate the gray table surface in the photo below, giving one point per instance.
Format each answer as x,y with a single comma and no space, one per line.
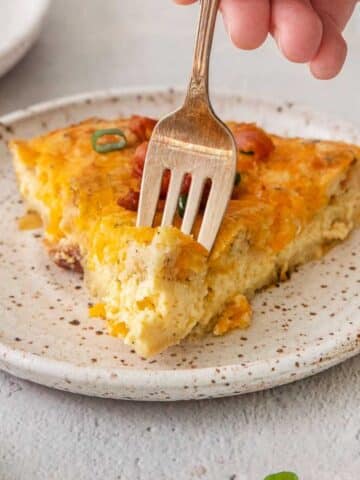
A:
313,426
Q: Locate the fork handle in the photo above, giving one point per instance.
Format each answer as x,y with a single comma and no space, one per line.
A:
199,83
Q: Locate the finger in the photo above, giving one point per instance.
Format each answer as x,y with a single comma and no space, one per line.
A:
296,28
247,21
339,12
332,52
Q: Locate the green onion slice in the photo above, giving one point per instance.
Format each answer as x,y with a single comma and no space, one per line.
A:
108,147
182,205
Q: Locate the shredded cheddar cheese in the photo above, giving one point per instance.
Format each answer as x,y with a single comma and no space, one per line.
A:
97,310
235,315
30,221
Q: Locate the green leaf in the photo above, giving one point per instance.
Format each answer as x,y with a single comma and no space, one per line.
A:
282,476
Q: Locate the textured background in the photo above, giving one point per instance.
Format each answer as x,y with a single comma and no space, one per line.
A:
312,427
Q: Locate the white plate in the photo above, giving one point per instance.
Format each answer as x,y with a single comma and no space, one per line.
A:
299,328
20,23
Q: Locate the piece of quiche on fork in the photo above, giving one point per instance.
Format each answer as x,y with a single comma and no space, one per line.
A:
292,199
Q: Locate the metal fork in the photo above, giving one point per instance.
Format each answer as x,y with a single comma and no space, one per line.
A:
192,141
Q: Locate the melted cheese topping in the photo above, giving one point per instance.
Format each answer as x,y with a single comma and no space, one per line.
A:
79,190
285,190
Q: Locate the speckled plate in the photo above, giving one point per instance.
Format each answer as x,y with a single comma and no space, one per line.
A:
299,328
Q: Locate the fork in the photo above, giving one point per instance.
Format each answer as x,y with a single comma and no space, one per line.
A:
194,141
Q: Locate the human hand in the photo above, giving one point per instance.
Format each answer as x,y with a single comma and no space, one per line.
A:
306,31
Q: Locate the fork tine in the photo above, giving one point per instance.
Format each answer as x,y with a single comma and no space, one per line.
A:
215,210
172,197
193,203
149,194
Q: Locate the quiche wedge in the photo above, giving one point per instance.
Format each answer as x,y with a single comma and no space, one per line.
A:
292,199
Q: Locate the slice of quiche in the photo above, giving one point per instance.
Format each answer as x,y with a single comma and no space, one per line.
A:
292,199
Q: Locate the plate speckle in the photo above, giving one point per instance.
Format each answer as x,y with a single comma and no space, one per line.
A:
299,328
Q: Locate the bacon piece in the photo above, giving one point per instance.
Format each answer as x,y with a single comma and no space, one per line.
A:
130,201
67,257
251,139
165,184
138,167
139,159
186,187
186,184
205,194
142,127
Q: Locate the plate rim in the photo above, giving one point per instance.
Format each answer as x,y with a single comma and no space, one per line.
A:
39,368
298,108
